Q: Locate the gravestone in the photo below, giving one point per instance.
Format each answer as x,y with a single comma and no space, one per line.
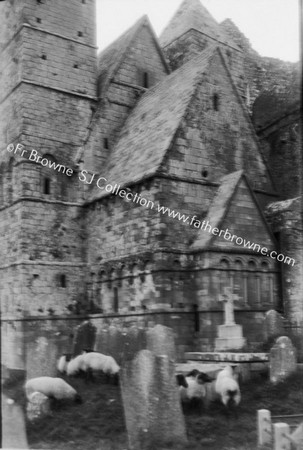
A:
161,341
13,425
133,341
102,339
84,337
273,325
41,357
230,335
151,402
282,359
38,406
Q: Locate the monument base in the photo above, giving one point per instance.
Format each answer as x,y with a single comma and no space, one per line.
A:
229,337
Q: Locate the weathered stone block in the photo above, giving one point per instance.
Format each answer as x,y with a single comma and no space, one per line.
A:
282,359
151,402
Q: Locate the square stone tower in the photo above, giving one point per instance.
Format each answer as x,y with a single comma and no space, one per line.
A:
48,91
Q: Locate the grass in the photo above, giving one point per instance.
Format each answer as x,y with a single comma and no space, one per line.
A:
98,423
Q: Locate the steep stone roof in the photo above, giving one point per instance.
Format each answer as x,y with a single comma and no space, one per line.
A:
193,15
110,58
150,128
218,208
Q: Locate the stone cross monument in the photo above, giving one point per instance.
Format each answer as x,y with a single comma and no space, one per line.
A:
228,299
230,335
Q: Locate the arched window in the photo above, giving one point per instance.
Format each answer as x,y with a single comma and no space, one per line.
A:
225,275
266,284
239,281
253,284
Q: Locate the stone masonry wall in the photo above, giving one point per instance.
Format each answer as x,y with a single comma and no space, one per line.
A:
193,42
221,141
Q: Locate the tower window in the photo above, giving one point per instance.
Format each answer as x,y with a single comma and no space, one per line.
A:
46,186
83,1
38,20
204,173
145,80
43,56
80,34
75,66
216,102
62,280
105,143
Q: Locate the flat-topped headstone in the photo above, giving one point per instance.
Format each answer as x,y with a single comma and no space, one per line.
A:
282,359
161,341
13,425
151,402
84,337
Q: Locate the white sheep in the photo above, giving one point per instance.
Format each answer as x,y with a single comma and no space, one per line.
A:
53,388
75,366
227,388
63,362
195,391
97,362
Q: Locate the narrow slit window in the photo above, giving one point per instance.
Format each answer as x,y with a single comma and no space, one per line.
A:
216,102
145,80
46,186
105,143
38,20
116,300
80,34
62,280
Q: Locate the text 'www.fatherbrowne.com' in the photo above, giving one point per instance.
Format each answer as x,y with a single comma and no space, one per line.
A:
128,195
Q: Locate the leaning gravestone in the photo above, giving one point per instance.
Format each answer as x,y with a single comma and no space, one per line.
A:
282,359
151,402
84,337
160,340
13,425
273,325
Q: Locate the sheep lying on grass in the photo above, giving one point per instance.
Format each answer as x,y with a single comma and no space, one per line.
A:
54,388
193,394
227,387
91,362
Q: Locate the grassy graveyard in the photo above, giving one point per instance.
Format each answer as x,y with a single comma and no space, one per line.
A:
98,423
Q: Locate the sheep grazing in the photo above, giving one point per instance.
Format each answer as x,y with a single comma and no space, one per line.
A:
195,391
63,362
88,363
227,388
75,366
97,362
53,388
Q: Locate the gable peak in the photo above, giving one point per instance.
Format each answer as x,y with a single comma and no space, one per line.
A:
190,15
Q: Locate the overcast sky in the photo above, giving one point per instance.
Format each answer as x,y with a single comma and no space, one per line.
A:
272,26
